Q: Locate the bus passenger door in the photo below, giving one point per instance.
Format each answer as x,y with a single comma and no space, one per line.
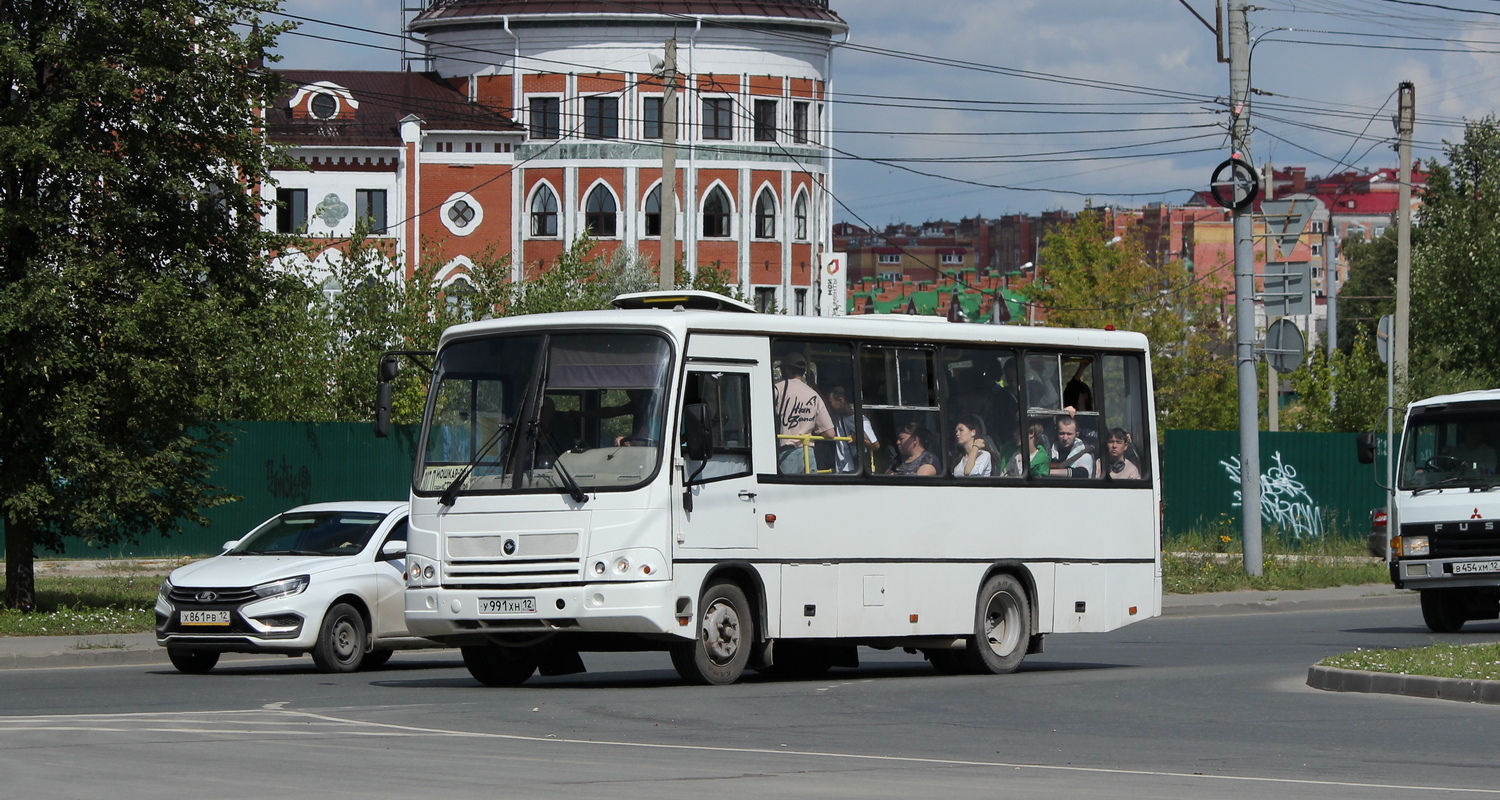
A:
720,504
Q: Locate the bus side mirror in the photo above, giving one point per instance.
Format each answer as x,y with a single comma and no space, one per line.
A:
1364,448
383,409
697,438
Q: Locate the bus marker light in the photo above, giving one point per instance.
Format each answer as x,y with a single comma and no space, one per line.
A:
912,618
770,519
1132,611
683,621
645,569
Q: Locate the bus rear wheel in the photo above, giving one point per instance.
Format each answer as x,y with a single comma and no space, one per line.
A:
726,634
493,665
1443,610
1002,628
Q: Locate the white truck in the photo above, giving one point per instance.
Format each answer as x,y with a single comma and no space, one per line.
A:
1444,510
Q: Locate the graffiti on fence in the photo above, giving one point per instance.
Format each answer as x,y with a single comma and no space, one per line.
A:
285,482
1284,500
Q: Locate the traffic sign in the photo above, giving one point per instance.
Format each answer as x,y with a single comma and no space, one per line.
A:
1284,346
1286,293
1383,338
1235,184
1286,220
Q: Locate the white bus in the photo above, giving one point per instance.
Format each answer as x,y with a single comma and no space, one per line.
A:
663,476
1444,515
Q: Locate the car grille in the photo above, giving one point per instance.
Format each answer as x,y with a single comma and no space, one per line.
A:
188,595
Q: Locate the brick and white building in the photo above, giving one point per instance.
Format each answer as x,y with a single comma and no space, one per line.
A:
541,119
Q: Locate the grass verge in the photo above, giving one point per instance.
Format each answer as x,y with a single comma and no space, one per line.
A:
1213,561
1469,661
83,606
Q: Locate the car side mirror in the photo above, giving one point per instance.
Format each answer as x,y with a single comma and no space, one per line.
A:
1364,448
393,550
697,437
229,545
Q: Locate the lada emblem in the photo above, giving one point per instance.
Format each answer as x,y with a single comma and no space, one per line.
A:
206,597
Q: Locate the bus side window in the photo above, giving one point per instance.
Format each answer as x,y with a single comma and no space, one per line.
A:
898,393
1043,382
1125,441
981,389
727,395
812,392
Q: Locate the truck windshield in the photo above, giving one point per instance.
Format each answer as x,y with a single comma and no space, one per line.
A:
536,412
1450,448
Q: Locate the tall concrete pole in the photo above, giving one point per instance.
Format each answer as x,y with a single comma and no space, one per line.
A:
1244,293
668,275
1405,120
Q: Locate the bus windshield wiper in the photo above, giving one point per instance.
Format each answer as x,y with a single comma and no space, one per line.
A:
451,492
574,490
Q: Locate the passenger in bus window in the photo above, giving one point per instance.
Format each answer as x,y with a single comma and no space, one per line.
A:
916,458
973,461
845,458
800,412
1071,457
1038,462
1117,457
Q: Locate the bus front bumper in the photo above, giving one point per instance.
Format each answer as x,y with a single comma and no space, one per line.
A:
460,615
1444,573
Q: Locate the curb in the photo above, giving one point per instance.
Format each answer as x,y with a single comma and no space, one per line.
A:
85,658
1268,606
1333,679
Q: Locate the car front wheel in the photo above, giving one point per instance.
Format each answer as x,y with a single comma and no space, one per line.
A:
341,640
192,662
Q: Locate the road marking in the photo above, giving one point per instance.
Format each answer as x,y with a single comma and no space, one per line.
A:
276,706
284,720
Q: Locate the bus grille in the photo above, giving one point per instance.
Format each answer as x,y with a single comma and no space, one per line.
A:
471,573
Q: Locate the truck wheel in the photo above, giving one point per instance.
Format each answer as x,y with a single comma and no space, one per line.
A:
1443,610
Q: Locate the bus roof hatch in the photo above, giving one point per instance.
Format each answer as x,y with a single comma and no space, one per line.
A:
687,298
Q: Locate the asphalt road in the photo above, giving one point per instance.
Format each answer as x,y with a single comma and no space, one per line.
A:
1186,707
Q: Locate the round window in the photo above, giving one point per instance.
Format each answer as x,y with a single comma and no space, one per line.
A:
324,106
461,213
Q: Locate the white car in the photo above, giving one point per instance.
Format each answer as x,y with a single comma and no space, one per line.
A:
326,579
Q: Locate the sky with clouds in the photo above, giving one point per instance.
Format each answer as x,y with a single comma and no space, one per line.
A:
1021,106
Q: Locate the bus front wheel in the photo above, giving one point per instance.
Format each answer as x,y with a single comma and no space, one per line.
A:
1002,627
493,665
1443,610
726,634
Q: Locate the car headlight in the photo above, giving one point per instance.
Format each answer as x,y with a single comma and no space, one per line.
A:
282,587
165,591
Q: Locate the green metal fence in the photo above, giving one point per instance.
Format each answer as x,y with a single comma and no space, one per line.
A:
274,466
1312,486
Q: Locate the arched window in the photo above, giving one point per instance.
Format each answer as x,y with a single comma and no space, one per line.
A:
716,214
800,212
653,211
544,212
765,215
599,212
459,297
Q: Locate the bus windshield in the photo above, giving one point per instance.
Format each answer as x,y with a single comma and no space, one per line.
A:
538,413
1451,447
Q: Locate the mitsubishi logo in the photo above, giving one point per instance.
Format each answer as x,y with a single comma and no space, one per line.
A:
206,597
1475,515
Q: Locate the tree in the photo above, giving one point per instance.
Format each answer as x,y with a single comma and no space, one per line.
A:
130,256
1090,280
1456,269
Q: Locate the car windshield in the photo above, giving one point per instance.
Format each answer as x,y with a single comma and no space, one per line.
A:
535,413
1451,447
311,533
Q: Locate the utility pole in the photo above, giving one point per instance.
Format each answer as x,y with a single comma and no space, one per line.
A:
1273,378
1405,120
668,277
1331,284
1244,293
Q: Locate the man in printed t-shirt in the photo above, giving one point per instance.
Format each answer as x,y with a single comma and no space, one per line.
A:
799,411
